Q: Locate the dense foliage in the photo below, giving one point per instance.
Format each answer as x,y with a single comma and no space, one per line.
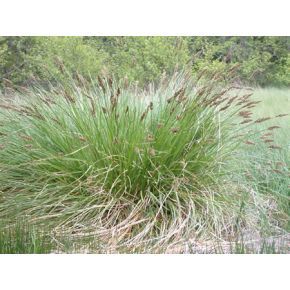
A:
262,60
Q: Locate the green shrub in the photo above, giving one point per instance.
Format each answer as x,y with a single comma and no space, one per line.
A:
14,64
75,55
26,60
144,59
263,61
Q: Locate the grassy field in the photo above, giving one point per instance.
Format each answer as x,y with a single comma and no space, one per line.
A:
177,170
274,102
268,159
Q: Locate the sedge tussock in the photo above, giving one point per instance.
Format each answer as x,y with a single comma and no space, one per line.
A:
132,170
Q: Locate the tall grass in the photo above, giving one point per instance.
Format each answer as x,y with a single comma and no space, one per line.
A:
266,167
125,164
22,238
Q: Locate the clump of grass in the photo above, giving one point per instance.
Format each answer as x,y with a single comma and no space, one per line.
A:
126,164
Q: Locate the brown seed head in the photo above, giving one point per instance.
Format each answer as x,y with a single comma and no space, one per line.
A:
80,80
267,135
246,121
60,65
144,115
275,147
281,115
249,142
245,114
150,138
177,95
252,104
150,107
174,130
118,92
273,127
101,84
110,82
69,97
262,120
224,108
